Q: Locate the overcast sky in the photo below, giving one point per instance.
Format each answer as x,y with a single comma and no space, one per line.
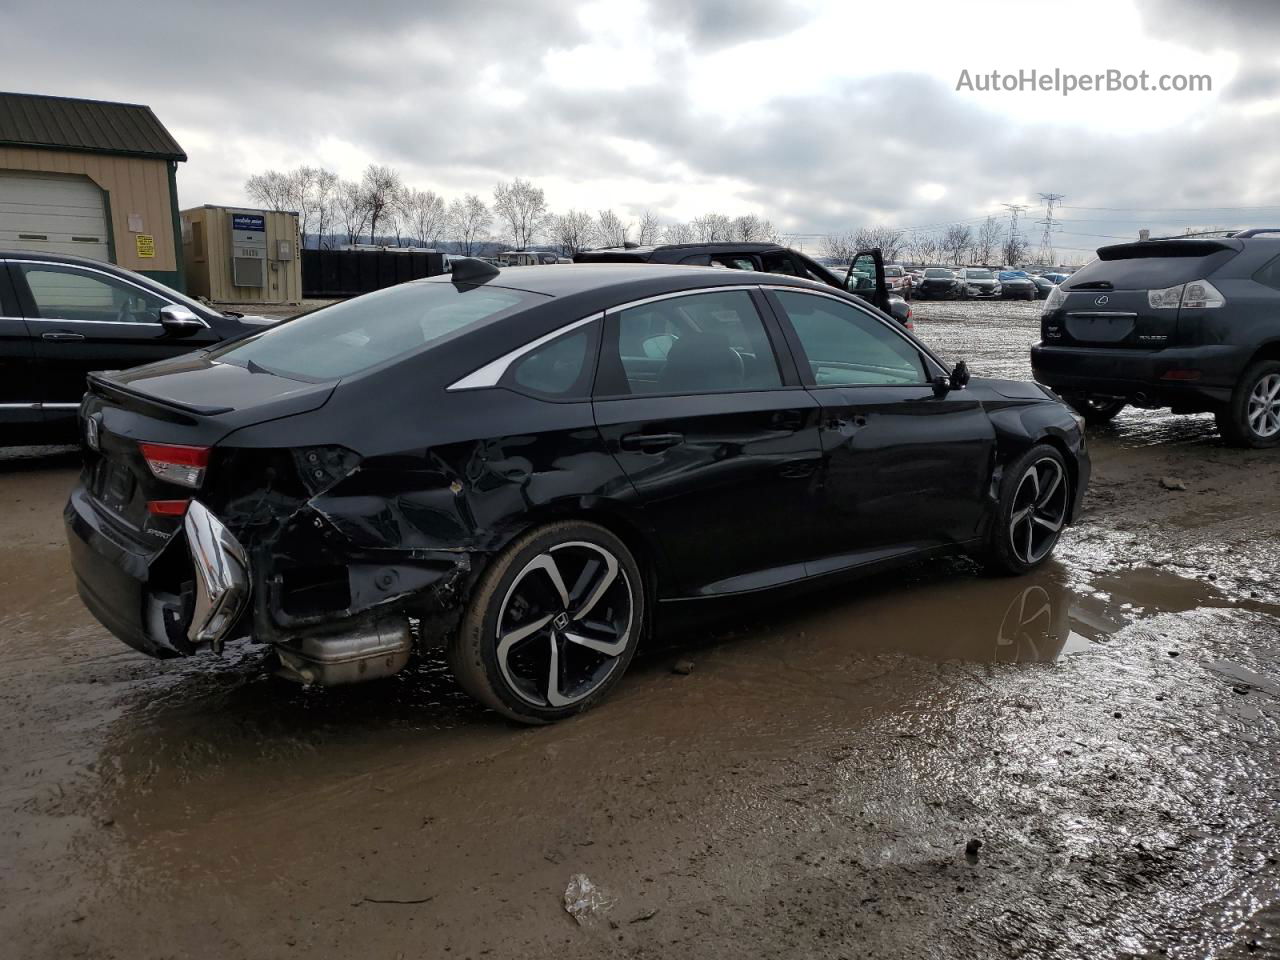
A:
819,116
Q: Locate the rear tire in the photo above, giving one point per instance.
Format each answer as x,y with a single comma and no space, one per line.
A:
1252,418
1096,410
552,624
1035,498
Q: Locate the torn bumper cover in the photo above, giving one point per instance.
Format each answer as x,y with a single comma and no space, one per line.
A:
222,577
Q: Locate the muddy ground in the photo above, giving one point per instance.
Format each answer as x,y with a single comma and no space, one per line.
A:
1108,728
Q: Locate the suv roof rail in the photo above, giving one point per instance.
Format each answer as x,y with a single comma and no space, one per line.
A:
1243,234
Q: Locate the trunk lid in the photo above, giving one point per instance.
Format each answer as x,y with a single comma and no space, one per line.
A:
1105,303
191,401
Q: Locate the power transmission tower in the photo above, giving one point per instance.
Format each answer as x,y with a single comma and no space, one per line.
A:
1014,244
1045,255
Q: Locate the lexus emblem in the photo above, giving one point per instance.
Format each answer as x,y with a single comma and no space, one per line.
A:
1102,301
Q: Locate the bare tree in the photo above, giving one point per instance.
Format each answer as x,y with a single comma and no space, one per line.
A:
924,248
956,241
574,232
1014,251
712,228
611,228
351,206
678,233
424,214
522,208
649,229
325,194
381,187
271,189
469,221
750,228
839,246
987,242
890,241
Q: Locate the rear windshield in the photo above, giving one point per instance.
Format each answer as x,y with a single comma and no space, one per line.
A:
893,271
360,333
1138,266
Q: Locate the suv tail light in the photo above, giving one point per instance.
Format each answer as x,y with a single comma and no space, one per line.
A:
1198,294
175,463
1056,296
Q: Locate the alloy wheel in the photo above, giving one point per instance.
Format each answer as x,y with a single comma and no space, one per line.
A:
1039,510
1264,406
564,622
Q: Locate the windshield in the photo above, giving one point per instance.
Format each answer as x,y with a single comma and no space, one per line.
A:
1013,275
938,273
360,333
978,274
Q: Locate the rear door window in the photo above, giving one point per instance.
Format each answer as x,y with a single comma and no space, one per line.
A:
701,343
559,370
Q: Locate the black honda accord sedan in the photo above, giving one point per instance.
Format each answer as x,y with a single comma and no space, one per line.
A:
527,466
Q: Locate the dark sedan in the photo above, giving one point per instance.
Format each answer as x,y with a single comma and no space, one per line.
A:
1017,285
938,283
63,316
531,466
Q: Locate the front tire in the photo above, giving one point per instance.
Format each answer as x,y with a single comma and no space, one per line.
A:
552,624
1252,418
1035,498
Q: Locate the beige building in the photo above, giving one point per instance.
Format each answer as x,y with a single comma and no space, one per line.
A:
91,178
238,255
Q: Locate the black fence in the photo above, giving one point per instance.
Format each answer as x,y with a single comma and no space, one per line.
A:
347,273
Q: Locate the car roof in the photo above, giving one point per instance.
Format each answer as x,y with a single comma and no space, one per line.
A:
716,246
567,279
59,258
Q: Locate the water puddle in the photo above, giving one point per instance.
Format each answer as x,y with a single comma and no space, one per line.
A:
957,615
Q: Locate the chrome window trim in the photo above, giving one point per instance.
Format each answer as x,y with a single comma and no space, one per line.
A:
887,324
39,406
104,273
491,373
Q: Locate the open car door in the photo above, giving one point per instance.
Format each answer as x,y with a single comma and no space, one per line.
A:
866,278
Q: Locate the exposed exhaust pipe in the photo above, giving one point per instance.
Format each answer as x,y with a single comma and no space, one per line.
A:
367,652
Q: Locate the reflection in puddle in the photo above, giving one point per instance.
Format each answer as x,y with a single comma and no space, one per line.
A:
1036,618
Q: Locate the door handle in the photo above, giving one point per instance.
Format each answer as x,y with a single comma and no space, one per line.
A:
650,442
61,337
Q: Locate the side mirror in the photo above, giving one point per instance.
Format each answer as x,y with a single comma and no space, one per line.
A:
960,376
900,310
179,321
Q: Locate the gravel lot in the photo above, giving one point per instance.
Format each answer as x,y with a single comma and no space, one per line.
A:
1108,730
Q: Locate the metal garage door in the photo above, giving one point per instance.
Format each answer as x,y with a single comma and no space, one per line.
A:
56,213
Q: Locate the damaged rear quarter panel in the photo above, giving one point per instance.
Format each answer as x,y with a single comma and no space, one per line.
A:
413,523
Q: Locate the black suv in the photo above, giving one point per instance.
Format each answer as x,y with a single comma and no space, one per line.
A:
1190,324
865,276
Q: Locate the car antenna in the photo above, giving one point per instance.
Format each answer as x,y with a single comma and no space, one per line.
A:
472,270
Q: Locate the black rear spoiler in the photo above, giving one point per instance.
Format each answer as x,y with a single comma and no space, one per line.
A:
1199,247
104,386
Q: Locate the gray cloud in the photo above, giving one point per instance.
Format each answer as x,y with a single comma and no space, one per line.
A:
458,97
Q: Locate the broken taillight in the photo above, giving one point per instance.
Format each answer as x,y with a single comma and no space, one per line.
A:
176,463
167,508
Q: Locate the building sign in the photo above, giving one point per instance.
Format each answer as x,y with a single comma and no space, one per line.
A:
249,221
146,246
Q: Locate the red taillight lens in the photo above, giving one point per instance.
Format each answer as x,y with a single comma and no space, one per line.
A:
175,463
167,508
